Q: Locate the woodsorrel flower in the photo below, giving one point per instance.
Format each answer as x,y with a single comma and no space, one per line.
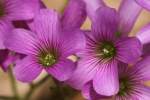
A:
105,48
47,47
131,81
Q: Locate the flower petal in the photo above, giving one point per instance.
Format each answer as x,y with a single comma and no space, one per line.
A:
122,68
27,70
47,24
5,30
106,79
23,41
37,4
128,49
89,93
92,6
20,9
146,49
143,92
74,15
10,58
141,69
73,42
143,35
144,3
62,70
105,23
86,90
129,12
86,69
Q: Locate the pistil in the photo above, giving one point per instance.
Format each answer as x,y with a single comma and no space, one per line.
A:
47,59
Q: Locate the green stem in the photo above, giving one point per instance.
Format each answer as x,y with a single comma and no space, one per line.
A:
60,89
33,87
13,84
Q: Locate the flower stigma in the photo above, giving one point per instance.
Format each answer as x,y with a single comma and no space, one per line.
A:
47,59
125,86
107,50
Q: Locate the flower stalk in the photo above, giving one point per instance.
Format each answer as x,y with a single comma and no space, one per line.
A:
13,83
33,87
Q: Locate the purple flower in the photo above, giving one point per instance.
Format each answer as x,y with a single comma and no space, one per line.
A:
144,3
105,48
131,81
48,48
129,11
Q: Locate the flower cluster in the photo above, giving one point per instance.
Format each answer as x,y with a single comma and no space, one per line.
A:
111,64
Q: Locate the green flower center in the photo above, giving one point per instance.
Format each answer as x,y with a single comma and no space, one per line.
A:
107,50
47,60
2,10
125,86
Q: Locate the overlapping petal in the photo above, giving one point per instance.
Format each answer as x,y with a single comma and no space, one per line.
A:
106,79
129,11
122,68
142,92
146,49
86,90
27,70
47,24
106,23
89,93
5,30
20,9
92,6
128,49
86,70
73,42
141,69
144,3
74,15
21,41
62,70
143,35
